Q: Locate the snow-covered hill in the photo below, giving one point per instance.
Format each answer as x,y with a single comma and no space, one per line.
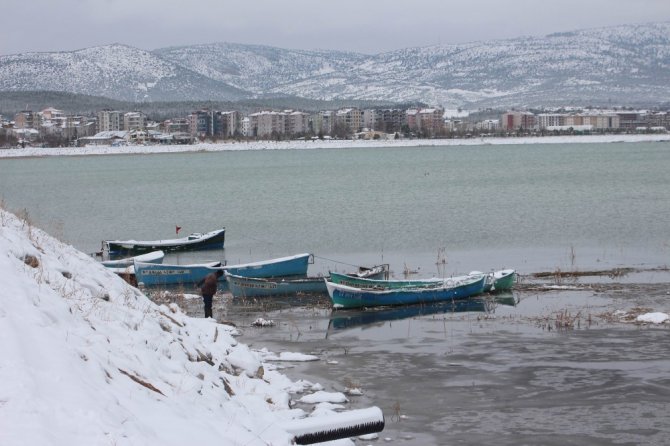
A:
623,64
115,71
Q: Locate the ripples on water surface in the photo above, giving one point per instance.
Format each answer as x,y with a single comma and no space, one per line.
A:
483,206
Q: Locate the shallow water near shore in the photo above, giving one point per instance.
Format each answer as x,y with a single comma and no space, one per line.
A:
545,364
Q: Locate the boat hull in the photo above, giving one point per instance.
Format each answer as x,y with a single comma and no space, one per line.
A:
343,296
165,274
503,280
283,266
243,287
374,283
152,274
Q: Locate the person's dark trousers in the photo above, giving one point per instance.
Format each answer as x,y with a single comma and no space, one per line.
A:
208,305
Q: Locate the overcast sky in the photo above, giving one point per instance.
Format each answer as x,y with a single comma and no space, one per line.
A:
367,26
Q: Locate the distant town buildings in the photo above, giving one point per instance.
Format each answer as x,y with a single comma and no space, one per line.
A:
52,126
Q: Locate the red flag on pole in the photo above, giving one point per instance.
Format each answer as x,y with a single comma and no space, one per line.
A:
177,228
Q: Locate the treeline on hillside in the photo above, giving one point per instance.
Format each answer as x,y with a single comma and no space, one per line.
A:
12,102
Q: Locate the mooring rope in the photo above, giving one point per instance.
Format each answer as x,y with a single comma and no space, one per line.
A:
336,261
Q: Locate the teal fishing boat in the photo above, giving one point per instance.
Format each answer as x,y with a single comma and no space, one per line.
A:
151,274
241,286
345,296
503,280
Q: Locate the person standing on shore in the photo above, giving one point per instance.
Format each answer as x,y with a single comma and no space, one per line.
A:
208,287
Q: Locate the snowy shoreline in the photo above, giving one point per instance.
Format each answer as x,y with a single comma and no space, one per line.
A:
88,359
327,144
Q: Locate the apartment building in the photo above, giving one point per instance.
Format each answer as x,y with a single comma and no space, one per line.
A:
515,120
431,120
134,120
350,118
323,122
27,119
267,123
546,120
297,123
388,120
110,120
227,124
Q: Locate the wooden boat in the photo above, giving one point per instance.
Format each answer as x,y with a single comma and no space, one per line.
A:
196,241
241,286
374,283
125,268
283,266
503,280
344,296
152,274
150,257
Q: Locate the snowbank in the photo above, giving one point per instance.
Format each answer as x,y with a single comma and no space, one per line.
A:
652,318
88,359
326,144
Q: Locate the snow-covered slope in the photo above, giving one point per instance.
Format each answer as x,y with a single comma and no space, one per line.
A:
88,360
615,65
115,71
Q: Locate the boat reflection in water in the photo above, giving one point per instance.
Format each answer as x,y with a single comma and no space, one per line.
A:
343,319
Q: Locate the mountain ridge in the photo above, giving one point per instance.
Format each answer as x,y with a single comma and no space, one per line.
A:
595,66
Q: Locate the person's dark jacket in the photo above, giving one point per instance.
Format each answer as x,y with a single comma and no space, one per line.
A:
209,284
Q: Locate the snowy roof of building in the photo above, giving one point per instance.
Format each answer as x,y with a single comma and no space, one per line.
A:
109,134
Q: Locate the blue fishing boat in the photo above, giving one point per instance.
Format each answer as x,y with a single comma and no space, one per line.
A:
196,241
283,266
496,281
151,274
344,296
241,286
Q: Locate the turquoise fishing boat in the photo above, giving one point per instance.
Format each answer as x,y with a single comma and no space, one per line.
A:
151,274
283,266
244,286
374,283
502,280
344,296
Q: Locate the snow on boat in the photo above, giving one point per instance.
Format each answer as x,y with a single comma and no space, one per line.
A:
150,257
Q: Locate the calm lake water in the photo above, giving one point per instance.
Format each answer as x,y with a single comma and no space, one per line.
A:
481,207
489,372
